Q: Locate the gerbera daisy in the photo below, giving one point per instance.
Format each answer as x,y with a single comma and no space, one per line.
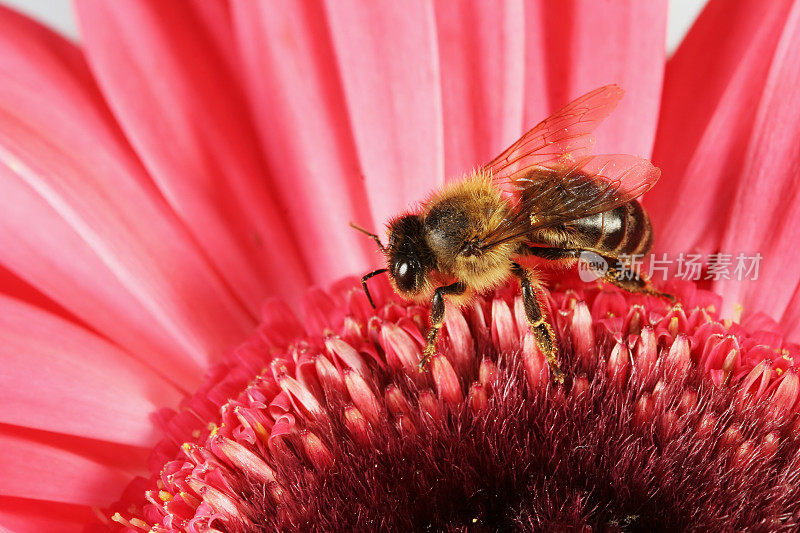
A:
192,161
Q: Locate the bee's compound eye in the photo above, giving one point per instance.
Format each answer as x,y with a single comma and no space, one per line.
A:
403,269
405,275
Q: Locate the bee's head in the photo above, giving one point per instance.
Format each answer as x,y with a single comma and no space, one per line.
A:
410,260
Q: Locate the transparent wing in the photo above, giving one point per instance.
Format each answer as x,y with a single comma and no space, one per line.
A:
547,196
552,178
566,135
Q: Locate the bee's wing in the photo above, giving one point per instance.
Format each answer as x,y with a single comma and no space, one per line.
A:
551,177
550,195
567,134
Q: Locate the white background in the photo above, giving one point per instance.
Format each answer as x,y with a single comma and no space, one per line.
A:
59,15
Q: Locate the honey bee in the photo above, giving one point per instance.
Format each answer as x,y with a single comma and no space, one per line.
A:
545,196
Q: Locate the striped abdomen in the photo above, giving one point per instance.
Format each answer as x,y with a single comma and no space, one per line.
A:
625,230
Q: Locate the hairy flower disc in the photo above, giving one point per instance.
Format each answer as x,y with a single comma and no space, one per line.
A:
669,419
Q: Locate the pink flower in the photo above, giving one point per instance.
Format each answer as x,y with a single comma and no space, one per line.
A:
668,420
194,160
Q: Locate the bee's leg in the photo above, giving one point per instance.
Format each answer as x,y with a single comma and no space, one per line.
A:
623,277
542,330
364,283
437,319
618,274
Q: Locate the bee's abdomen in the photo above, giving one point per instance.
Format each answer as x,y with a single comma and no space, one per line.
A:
625,230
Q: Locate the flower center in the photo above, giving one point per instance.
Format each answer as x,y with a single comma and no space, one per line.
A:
669,419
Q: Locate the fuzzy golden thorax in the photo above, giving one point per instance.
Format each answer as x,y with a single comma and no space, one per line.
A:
442,243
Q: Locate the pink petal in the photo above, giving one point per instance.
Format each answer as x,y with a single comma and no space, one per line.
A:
389,72
59,377
482,62
38,242
296,93
791,317
767,202
711,88
22,515
574,47
81,223
16,287
179,101
78,471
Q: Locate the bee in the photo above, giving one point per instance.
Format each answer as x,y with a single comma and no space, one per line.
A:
545,196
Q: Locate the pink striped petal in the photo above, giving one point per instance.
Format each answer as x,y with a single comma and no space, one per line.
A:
37,242
20,515
579,45
81,223
59,377
481,53
16,287
791,317
389,68
180,103
767,202
296,94
711,88
39,466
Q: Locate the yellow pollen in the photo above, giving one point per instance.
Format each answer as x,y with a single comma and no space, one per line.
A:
164,496
737,312
212,427
673,326
711,308
779,371
262,432
138,522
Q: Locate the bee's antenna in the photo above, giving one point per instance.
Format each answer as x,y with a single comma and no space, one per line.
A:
377,239
364,283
